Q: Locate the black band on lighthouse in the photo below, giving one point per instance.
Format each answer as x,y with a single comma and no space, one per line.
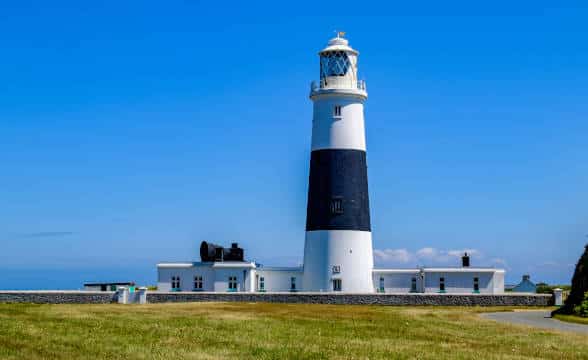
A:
338,191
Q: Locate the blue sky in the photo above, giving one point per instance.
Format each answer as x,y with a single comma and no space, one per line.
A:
131,132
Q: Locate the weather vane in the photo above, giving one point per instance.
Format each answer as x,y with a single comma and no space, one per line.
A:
340,34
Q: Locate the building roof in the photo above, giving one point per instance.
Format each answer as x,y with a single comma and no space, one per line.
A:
280,268
217,264
129,283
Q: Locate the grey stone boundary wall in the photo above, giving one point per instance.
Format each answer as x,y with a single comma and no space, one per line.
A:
359,299
57,297
97,297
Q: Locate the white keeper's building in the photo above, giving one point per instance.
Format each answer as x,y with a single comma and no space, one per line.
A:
338,253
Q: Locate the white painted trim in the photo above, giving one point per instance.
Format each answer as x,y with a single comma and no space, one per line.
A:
396,271
226,264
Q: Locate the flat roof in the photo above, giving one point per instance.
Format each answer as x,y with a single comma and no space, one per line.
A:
108,283
280,268
440,269
217,264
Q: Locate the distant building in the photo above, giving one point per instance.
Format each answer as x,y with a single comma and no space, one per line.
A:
107,286
526,285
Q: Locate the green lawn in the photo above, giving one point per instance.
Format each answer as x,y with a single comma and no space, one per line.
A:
270,331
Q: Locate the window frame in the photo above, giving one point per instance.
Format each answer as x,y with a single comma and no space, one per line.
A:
382,284
336,205
175,283
442,284
261,283
337,109
476,284
232,283
413,284
337,284
198,282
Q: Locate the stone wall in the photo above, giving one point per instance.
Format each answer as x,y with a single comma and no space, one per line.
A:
359,299
96,297
58,297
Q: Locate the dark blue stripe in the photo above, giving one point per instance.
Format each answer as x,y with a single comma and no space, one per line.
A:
338,191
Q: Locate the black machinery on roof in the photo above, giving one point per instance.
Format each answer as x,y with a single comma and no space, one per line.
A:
212,252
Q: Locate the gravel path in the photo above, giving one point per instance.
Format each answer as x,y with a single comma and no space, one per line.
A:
537,318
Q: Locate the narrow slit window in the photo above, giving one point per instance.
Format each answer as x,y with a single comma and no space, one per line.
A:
261,283
442,284
476,284
292,284
336,206
337,110
413,284
382,289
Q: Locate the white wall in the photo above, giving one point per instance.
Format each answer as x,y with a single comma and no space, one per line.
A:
186,275
350,250
279,280
498,282
396,282
459,282
221,279
344,132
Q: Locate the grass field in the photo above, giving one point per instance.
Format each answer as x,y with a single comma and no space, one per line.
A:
270,331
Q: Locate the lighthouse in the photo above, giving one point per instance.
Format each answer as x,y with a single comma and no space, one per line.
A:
338,244
338,254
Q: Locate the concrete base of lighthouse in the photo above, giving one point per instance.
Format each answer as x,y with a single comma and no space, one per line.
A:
340,255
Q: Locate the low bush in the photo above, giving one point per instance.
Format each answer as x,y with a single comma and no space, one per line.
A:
582,309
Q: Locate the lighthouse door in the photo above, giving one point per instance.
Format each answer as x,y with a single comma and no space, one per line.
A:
336,284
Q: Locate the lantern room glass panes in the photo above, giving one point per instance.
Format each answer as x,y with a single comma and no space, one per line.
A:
334,63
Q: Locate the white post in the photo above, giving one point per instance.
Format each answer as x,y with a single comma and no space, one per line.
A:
142,295
123,295
558,295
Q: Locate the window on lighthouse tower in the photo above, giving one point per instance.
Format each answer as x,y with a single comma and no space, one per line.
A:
334,63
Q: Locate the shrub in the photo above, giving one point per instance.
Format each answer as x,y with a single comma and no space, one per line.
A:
577,297
582,309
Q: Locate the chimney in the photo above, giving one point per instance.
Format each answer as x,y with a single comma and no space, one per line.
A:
465,260
234,245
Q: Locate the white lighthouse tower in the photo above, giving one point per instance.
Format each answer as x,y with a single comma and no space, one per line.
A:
338,245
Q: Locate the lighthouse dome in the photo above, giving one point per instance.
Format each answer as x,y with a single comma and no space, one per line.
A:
338,44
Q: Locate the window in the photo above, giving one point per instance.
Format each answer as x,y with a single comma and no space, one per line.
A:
334,63
382,284
175,282
413,285
442,284
197,282
336,284
292,284
232,283
262,284
336,206
337,110
336,269
476,284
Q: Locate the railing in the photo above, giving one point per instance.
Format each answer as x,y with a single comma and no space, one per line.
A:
335,83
